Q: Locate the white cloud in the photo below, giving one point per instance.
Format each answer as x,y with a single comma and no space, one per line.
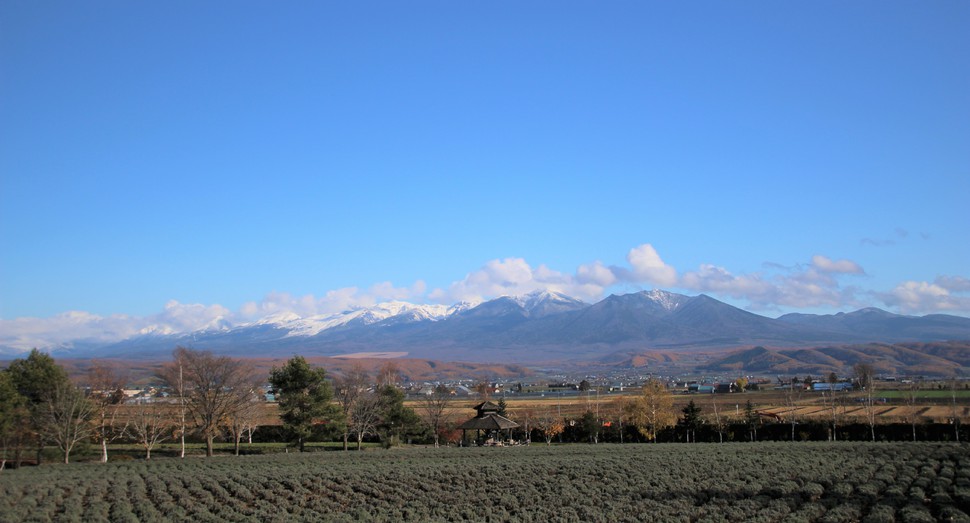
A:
815,286
647,267
189,317
27,333
827,265
306,305
808,285
596,273
56,331
953,283
333,301
514,276
711,278
920,297
500,277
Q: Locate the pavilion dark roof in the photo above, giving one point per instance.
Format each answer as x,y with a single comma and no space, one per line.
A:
487,406
490,421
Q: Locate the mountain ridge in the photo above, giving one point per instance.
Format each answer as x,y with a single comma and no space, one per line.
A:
539,326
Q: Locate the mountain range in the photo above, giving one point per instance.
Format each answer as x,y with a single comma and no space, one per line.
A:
539,327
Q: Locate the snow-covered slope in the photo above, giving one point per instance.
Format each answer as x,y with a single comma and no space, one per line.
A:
543,303
667,301
299,326
541,320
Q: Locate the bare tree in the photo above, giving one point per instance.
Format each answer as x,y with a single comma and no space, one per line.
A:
215,387
618,410
955,417
349,389
106,395
483,389
176,380
66,417
653,409
244,419
833,378
865,377
718,424
388,375
526,417
150,424
912,393
549,424
365,416
436,407
792,395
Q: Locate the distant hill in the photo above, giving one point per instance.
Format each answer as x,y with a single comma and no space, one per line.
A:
933,358
876,323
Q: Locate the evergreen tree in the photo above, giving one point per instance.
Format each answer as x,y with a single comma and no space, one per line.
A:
503,407
691,420
37,378
398,422
14,418
589,426
304,396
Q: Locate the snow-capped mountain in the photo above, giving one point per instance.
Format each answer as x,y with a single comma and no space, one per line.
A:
543,303
667,301
403,311
534,327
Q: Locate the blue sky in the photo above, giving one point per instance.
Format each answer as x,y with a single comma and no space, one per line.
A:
244,157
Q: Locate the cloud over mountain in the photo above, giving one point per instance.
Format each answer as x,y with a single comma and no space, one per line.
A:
947,293
26,333
815,284
539,326
649,268
590,281
826,265
333,301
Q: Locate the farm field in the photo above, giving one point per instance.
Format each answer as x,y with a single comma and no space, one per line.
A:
932,405
658,482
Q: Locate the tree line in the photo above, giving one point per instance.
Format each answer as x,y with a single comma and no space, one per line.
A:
210,397
207,396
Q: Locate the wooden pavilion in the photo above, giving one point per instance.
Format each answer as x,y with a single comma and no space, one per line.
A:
489,421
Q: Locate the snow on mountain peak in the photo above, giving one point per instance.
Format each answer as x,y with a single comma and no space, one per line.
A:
533,298
313,325
462,306
543,302
278,319
158,330
219,323
669,301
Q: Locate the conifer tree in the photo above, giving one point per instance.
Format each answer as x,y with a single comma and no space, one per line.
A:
304,396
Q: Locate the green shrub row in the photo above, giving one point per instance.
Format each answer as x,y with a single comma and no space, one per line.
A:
744,482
